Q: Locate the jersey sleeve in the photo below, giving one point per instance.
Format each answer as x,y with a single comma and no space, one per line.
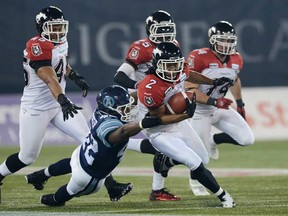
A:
150,96
38,50
107,126
195,62
139,52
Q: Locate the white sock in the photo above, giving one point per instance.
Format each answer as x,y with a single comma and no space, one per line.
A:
134,144
158,181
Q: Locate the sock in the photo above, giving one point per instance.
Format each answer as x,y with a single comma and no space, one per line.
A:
134,145
11,165
158,181
205,177
147,148
61,167
224,138
62,195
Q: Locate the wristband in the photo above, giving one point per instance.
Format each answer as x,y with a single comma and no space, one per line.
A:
212,101
240,103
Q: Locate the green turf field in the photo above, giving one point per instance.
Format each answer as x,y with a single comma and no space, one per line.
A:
254,195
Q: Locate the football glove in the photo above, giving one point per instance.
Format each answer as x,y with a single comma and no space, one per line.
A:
68,108
190,105
221,103
79,80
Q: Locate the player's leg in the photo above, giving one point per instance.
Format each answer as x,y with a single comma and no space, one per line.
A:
196,144
80,184
40,177
183,153
32,126
141,146
235,128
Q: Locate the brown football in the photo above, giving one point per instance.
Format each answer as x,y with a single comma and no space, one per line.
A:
176,103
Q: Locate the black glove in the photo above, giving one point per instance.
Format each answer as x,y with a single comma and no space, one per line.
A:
68,108
149,121
190,105
79,80
221,81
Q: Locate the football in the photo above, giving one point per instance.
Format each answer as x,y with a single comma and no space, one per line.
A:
176,103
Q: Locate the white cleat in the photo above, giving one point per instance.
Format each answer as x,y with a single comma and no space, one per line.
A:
197,188
214,152
227,201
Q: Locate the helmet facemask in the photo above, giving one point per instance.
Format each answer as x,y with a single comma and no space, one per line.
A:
170,70
55,30
162,32
224,44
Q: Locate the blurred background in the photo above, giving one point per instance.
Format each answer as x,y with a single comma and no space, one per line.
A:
100,32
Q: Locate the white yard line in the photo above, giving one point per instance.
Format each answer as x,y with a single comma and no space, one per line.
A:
183,172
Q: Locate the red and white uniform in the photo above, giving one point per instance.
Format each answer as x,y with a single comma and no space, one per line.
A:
38,106
36,94
205,62
140,55
178,141
229,121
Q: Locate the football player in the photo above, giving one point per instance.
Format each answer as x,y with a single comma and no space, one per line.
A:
175,137
44,100
220,60
101,151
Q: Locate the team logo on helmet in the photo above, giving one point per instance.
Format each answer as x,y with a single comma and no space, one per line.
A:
108,101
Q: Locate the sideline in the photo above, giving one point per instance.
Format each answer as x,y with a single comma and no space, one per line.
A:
183,172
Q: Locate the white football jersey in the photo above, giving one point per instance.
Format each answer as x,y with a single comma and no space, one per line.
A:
205,62
36,94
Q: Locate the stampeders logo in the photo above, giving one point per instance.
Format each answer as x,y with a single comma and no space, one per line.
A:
36,49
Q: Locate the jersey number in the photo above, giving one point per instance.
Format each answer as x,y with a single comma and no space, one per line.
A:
149,85
90,149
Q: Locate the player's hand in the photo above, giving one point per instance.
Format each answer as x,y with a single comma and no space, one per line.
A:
221,81
240,108
79,80
149,121
241,111
190,105
223,103
68,108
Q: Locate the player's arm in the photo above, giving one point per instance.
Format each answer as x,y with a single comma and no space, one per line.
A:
198,78
78,79
237,94
222,103
123,133
47,74
123,76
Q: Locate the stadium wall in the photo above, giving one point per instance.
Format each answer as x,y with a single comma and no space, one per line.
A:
100,33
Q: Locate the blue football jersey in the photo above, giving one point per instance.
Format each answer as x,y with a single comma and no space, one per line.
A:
97,156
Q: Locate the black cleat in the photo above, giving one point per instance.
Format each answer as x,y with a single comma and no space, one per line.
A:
37,179
118,190
159,163
49,200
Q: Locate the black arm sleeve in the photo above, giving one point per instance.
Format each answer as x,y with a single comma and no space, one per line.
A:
37,64
122,79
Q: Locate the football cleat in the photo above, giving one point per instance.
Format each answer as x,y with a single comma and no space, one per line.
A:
37,179
118,190
163,195
49,200
227,201
159,163
197,188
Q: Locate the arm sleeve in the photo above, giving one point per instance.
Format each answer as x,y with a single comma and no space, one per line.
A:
123,75
37,64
